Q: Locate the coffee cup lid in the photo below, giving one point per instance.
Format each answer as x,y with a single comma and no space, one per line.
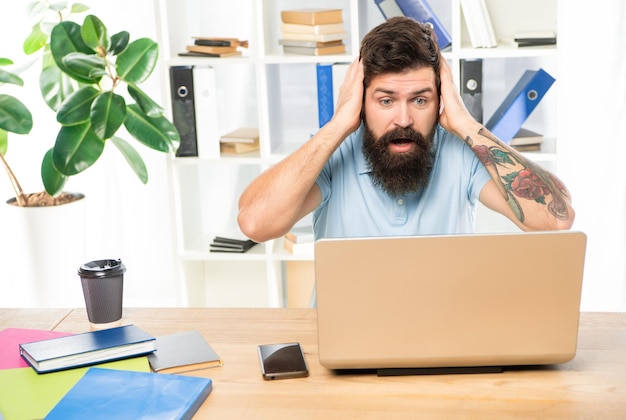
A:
102,268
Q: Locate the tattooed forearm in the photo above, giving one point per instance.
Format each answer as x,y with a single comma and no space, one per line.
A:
517,177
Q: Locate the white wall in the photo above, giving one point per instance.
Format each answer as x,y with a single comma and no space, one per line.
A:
131,221
124,218
592,142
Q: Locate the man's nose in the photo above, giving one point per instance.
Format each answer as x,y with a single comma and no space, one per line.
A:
403,117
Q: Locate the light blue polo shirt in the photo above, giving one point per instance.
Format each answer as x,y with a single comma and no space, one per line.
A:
352,206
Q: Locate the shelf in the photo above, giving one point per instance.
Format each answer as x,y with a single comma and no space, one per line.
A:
277,92
505,50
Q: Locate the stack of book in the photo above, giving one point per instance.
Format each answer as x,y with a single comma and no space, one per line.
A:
241,140
299,240
312,31
222,244
535,39
101,374
527,140
215,47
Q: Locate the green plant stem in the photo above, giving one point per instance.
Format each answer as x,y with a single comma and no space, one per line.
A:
19,192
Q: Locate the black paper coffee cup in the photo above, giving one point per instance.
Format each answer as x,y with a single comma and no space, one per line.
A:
103,289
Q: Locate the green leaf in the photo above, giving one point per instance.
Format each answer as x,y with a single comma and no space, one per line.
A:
146,104
55,86
36,8
4,141
119,42
108,113
14,116
5,62
137,61
53,180
95,34
65,39
501,157
132,157
76,148
57,6
35,41
8,77
85,67
156,133
79,8
77,108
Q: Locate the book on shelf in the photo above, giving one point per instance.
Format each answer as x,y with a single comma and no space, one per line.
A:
87,348
241,135
329,28
335,49
419,10
208,49
26,394
338,36
519,103
312,16
479,25
232,245
205,108
239,148
299,240
183,352
204,54
301,234
10,340
298,248
526,139
117,394
219,42
309,44
329,78
535,39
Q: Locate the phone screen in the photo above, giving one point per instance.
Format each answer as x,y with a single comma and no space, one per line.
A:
281,361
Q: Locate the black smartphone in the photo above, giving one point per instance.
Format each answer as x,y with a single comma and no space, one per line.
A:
282,361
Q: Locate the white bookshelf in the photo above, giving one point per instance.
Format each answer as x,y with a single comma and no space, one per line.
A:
276,92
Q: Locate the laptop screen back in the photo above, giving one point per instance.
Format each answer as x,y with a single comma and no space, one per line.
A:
442,301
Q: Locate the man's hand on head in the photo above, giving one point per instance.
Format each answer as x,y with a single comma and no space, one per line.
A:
454,116
347,116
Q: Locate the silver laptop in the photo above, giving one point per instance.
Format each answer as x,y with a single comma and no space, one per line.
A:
454,301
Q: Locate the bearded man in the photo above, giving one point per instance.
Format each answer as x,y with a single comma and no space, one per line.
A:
401,156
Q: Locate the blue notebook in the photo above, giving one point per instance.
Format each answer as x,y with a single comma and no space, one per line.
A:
87,348
120,394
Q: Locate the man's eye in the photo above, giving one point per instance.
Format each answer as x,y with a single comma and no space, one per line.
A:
420,101
385,102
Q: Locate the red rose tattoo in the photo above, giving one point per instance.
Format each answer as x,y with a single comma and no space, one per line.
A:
527,184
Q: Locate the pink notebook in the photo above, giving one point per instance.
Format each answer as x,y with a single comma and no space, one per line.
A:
10,340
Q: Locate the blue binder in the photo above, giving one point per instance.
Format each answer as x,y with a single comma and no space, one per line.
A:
419,10
325,106
519,104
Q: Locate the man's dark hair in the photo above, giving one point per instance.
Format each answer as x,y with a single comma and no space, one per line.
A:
397,45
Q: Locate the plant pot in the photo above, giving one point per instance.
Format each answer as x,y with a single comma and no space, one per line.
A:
47,245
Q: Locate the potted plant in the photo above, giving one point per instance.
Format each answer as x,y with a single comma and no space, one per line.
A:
91,79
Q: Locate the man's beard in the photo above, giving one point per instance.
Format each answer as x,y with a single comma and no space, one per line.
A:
399,173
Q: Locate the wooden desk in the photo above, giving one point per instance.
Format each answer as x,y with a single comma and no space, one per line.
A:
593,385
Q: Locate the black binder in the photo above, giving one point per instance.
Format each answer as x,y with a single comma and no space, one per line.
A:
472,86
